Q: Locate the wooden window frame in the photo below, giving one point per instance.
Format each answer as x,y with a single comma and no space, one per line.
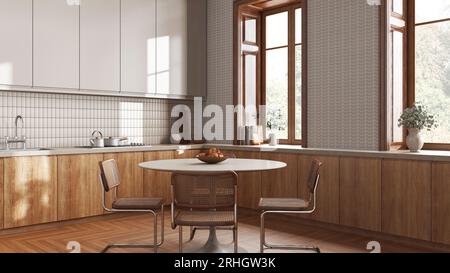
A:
239,14
408,16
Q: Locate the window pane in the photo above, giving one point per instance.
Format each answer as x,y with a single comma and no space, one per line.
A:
397,6
298,92
431,10
277,30
250,89
433,76
397,85
298,26
250,30
277,92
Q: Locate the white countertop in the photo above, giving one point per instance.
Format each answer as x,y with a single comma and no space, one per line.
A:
403,154
442,156
75,150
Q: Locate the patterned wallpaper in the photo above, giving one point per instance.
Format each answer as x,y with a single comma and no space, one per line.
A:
220,53
343,67
343,74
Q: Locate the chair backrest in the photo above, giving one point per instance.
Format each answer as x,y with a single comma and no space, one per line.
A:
313,178
109,173
204,190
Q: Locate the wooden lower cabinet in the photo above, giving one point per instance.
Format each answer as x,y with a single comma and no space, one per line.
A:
283,182
186,153
327,205
249,183
157,184
406,198
441,203
360,193
131,176
79,188
30,190
1,193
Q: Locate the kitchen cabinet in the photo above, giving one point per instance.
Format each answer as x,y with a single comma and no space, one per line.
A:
16,46
171,47
1,194
138,46
157,184
360,193
131,176
280,183
249,183
79,188
327,205
406,198
100,45
441,202
30,191
56,44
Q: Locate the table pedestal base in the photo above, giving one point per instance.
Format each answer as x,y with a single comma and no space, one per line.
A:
213,245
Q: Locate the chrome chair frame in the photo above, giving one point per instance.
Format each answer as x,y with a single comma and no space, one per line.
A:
266,246
155,245
193,229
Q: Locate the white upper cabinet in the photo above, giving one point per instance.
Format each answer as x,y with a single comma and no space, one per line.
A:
16,42
138,45
171,62
100,45
56,44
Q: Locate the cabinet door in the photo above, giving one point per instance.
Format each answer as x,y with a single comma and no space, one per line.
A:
280,183
131,176
406,198
138,46
327,205
1,194
441,203
16,46
360,193
171,62
249,183
157,184
100,45
56,44
30,191
79,188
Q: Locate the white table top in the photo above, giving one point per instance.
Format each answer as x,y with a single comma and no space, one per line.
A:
195,165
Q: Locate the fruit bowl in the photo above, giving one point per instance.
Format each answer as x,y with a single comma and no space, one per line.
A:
213,156
211,159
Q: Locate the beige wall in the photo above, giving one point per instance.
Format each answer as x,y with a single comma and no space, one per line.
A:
343,70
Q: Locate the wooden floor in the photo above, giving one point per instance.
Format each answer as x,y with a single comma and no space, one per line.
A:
94,234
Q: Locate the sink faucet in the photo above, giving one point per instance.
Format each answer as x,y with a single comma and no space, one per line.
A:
17,139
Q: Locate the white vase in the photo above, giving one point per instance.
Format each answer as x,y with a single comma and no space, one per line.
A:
414,140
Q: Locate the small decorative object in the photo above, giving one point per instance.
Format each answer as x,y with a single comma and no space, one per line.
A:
416,119
213,156
273,141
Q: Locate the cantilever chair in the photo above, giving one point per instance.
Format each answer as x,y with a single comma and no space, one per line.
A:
203,200
110,180
291,206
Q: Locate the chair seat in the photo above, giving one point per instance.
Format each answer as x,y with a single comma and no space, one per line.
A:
137,203
204,218
285,204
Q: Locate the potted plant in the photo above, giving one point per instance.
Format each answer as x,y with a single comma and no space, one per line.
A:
416,119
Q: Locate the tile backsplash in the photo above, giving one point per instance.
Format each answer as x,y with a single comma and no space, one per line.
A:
59,120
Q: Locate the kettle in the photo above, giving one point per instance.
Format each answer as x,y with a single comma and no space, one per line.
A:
97,140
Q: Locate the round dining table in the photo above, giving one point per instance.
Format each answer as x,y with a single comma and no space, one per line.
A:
196,166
